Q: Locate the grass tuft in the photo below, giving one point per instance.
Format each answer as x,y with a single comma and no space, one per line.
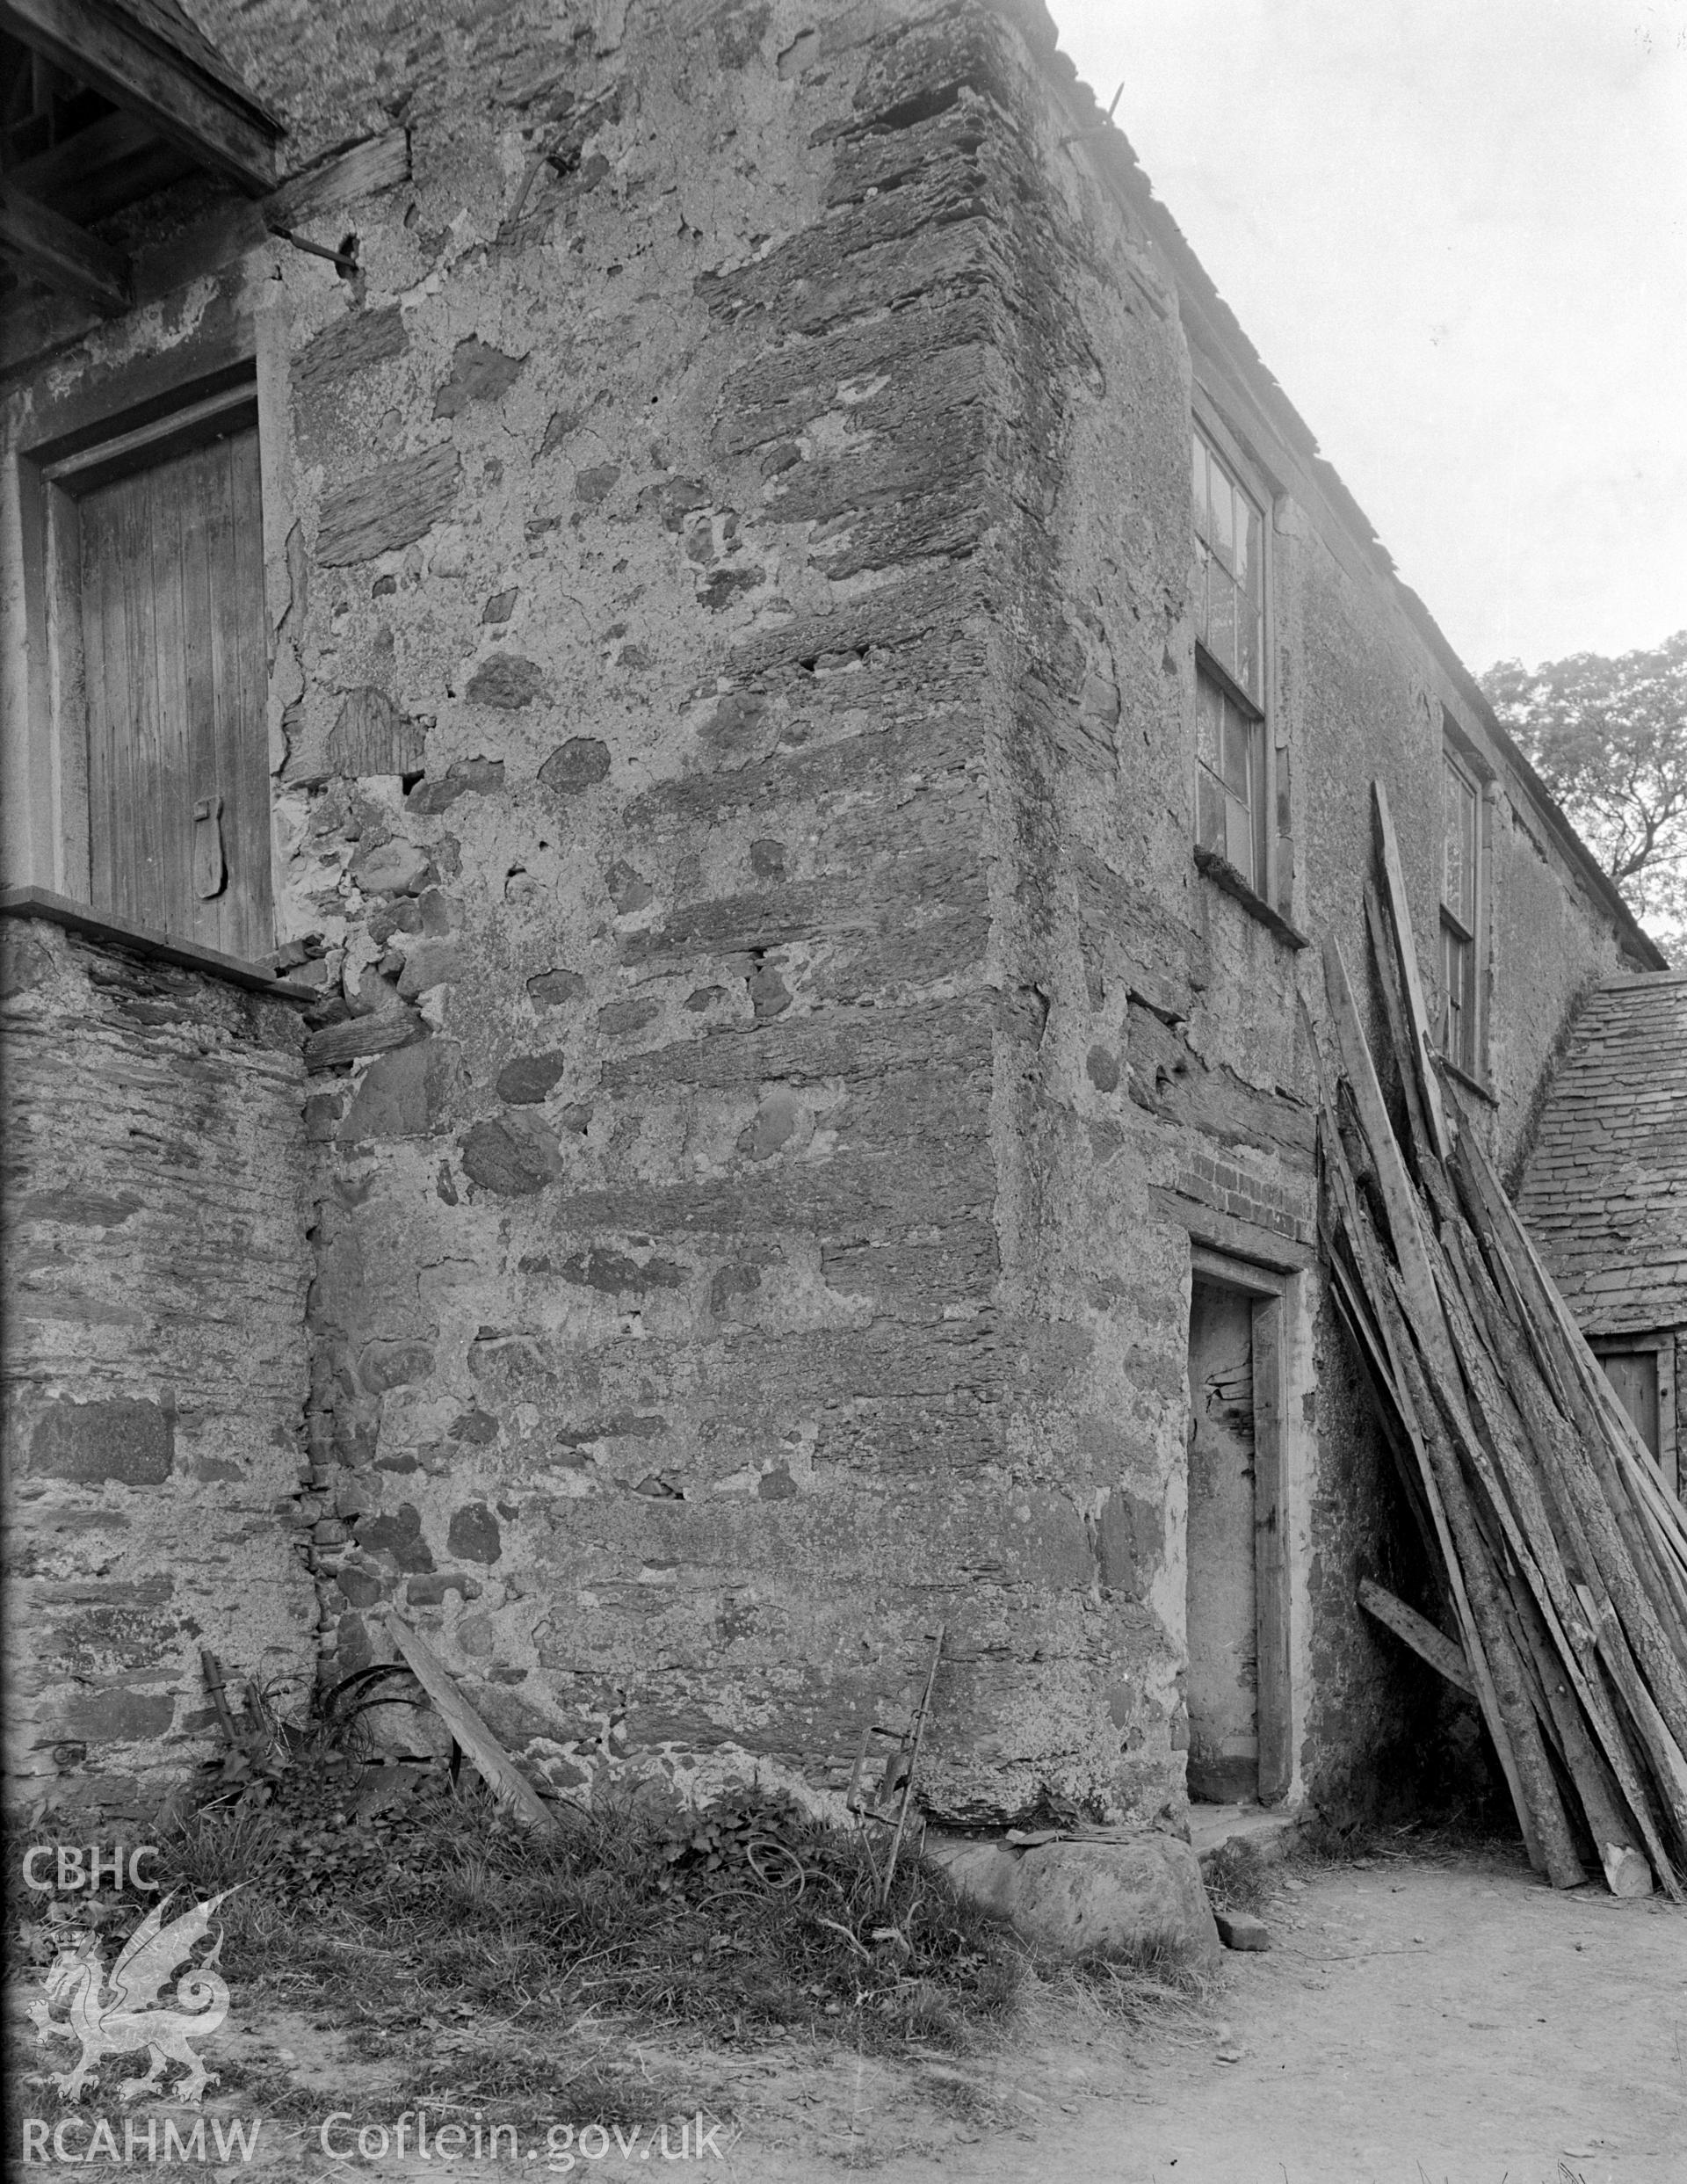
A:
484,1964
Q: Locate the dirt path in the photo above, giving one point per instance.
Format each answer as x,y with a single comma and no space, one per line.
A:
1415,2022
1419,2021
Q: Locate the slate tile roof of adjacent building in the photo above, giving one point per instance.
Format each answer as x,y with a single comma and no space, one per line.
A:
1605,1188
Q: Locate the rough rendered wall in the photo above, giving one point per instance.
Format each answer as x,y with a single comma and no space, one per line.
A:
643,595
1176,1075
733,708
155,1267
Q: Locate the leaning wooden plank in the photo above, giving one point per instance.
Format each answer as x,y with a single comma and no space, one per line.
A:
1505,1467
496,1767
1349,1292
1422,1054
1522,1540
1386,1402
1510,1724
1646,1554
1494,1219
1428,1643
1605,1443
1400,1200
1513,1593
1469,1305
1615,1837
1382,949
1634,1469
1640,1480
1439,1536
1562,1867
1643,1599
1413,1281
1562,1462
1623,1456
1591,1550
1668,1762
1594,1699
1588,1396
1662,1511
1343,1241
1625,1760
1530,1452
1668,1515
1348,1296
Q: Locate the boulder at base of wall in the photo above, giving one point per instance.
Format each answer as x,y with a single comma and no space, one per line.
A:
1116,1898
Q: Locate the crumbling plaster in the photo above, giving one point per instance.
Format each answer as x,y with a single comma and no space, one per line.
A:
733,709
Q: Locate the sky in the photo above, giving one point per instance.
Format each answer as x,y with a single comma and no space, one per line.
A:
1456,231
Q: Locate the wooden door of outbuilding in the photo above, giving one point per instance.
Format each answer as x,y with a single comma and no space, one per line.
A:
174,661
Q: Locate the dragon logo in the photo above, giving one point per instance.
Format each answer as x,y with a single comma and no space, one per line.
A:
112,2018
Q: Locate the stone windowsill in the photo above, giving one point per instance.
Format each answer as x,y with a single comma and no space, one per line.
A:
1224,874
61,910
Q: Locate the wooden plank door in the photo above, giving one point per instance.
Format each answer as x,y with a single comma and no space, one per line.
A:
1223,1683
174,663
1633,1374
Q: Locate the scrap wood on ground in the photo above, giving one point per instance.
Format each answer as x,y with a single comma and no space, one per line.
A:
1561,1556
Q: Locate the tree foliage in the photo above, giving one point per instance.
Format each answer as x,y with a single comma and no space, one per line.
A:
1609,738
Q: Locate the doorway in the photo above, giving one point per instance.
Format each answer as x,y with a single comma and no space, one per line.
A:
1236,1628
1641,1371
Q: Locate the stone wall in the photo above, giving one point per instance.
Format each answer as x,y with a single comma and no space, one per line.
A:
155,1368
1180,1069
733,712
662,1355
778,1047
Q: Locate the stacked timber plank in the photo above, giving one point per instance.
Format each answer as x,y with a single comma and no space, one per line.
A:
1561,1558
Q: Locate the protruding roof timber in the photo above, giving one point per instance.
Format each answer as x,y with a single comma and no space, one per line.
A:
148,58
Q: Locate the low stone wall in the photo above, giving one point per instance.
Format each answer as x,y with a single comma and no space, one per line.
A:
155,1365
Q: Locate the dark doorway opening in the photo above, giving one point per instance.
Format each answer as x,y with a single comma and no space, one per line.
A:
1237,1592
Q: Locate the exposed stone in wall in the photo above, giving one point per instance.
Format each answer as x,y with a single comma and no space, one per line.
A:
774,1045
156,1264
785,1043
684,1208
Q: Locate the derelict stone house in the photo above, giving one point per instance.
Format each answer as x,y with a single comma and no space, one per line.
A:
644,560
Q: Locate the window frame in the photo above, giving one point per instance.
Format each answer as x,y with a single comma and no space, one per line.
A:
133,420
1459,760
1261,890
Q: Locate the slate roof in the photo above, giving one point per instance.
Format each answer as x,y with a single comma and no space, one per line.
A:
1605,1189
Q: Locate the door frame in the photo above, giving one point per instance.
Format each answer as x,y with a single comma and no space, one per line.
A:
1268,1291
1660,1345
237,344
